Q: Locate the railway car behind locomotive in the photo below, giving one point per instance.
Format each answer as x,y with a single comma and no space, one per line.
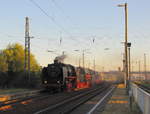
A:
59,76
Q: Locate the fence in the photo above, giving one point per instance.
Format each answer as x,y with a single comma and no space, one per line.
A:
142,98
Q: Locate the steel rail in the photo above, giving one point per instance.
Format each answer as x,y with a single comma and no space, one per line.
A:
88,95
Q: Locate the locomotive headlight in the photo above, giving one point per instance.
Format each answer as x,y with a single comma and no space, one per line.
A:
58,82
45,82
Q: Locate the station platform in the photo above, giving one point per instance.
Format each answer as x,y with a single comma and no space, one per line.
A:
119,103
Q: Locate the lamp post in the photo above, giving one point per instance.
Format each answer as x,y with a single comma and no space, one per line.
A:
129,86
79,57
145,66
129,45
129,83
126,39
52,51
83,56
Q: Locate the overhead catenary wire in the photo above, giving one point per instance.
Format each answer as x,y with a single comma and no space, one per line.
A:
22,41
46,14
53,20
60,9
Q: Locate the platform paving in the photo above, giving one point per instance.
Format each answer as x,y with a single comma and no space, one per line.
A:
119,103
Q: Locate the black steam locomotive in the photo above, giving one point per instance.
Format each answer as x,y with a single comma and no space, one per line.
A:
59,76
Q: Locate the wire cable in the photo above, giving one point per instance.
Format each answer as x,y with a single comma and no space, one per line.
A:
60,9
52,19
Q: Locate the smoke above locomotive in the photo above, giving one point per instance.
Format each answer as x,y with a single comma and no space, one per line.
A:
60,59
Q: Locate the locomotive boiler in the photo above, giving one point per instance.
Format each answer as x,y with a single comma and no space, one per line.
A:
59,76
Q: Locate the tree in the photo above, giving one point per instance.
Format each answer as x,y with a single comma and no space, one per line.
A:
13,57
12,68
3,64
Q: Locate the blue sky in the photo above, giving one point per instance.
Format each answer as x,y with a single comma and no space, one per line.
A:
77,22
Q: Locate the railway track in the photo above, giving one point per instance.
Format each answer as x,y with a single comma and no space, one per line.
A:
39,96
15,101
67,106
13,98
145,88
34,104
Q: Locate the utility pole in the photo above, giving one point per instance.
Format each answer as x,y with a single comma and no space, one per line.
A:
27,48
79,61
26,44
124,69
139,68
83,59
129,45
145,66
89,65
94,64
126,39
129,66
132,64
